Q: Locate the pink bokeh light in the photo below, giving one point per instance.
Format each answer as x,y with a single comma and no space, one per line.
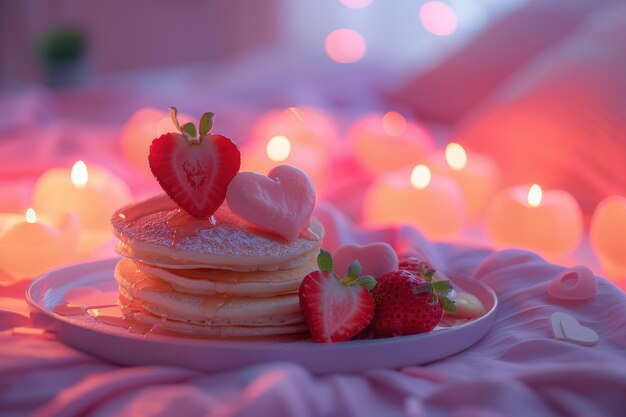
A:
438,18
394,123
345,46
356,4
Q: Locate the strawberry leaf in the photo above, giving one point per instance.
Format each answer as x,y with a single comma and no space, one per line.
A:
447,304
206,123
367,281
423,288
354,270
325,261
189,128
442,287
429,274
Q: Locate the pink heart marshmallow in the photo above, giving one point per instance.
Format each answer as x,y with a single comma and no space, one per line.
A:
376,259
281,203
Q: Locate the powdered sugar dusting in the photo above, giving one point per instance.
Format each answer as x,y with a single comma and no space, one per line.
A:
230,237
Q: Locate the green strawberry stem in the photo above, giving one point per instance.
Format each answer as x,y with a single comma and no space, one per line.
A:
174,117
353,276
430,274
443,287
188,129
439,290
447,304
354,270
367,281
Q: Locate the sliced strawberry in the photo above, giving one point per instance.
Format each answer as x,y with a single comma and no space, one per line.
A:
194,173
409,301
334,309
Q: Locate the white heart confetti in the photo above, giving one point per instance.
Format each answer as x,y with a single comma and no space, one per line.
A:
566,327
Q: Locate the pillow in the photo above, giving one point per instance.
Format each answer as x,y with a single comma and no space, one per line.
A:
561,121
451,88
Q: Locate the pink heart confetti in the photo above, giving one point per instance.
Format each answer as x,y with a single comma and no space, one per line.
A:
281,203
566,327
576,283
376,259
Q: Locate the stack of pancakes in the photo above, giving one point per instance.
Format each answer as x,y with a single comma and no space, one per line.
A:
220,278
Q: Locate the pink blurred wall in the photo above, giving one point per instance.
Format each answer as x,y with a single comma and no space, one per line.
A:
128,35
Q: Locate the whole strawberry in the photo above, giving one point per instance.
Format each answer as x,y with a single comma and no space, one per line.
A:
336,309
194,168
418,266
409,302
414,264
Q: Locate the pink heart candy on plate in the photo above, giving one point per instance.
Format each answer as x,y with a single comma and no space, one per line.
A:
376,259
280,203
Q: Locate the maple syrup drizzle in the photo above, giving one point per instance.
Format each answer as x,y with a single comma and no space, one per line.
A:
309,234
111,315
185,225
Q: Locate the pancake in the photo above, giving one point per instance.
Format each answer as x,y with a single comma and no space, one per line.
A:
269,333
219,277
158,233
216,281
159,298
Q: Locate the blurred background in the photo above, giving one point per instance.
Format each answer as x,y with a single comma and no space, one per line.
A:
537,87
118,37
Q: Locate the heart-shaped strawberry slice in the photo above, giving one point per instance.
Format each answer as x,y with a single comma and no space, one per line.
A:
195,173
336,308
280,203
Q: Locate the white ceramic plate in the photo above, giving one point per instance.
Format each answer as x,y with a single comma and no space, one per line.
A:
118,345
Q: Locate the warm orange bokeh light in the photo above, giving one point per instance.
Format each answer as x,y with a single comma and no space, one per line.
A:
79,174
607,234
420,177
547,222
456,157
535,195
31,216
278,148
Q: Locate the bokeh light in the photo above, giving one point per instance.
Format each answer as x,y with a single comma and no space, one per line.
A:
535,195
394,123
278,148
420,177
31,216
356,4
456,157
438,18
79,175
345,46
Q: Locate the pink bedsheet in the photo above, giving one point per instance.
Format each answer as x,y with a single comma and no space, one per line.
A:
517,369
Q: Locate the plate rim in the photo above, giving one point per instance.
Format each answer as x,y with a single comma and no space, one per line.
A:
238,344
